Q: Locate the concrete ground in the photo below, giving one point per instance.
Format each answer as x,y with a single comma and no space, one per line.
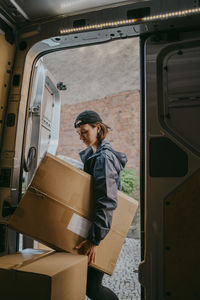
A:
124,281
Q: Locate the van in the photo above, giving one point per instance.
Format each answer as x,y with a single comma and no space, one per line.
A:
170,106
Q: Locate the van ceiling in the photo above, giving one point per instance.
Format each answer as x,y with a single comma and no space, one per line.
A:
32,10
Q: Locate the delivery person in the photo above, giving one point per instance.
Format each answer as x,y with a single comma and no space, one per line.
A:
104,164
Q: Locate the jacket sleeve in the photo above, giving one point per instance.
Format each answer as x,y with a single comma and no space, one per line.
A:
105,192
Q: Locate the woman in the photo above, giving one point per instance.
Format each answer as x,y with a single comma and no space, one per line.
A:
104,164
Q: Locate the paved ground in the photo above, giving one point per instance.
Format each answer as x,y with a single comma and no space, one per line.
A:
124,281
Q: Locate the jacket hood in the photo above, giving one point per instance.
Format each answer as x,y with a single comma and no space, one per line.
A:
88,153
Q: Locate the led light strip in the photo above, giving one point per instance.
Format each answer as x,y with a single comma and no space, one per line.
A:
131,21
172,14
99,26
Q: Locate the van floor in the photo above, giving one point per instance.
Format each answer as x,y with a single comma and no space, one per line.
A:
124,281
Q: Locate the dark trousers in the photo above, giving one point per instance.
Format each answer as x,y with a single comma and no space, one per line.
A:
95,289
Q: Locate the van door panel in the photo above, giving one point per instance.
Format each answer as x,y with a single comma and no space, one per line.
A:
42,132
171,168
7,52
182,93
6,63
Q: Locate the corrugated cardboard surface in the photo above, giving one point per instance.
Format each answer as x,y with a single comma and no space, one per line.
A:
57,276
42,246
60,193
9,265
22,258
65,183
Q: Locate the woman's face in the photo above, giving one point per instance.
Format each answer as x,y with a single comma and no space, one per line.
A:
88,134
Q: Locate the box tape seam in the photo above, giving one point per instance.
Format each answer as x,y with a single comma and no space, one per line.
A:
44,195
31,260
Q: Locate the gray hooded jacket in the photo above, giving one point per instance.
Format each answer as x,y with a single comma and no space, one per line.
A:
105,166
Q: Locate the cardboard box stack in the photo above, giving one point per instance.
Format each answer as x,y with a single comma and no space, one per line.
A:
57,210
43,275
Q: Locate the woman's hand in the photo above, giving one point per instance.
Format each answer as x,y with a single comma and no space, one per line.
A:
88,249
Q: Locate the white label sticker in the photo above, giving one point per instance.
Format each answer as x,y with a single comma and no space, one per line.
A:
79,225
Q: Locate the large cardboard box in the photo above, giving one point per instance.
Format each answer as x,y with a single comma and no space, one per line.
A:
58,207
43,276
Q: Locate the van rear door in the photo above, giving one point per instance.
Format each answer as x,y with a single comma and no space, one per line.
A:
172,169
43,120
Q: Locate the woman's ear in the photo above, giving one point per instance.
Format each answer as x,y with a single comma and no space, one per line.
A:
98,128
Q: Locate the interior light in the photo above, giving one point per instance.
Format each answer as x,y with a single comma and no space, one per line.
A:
131,21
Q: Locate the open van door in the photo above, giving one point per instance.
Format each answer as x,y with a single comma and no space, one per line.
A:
42,129
172,166
43,120
42,134
27,129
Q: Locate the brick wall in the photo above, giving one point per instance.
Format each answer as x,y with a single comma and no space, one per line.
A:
121,112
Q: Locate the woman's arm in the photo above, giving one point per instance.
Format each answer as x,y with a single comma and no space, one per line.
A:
105,192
